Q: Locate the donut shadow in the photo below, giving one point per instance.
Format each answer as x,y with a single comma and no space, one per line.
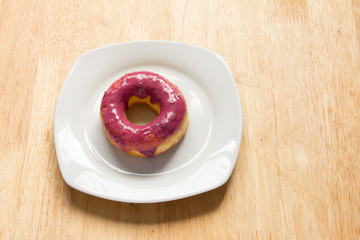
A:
136,165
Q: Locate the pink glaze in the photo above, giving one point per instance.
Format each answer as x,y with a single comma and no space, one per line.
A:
145,138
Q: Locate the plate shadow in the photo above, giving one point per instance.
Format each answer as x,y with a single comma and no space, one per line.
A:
171,211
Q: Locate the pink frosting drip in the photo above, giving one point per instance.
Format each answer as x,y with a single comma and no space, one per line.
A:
145,138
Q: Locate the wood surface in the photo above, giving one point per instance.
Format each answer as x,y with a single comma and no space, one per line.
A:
297,69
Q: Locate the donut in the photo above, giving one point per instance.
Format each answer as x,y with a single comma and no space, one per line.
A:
162,96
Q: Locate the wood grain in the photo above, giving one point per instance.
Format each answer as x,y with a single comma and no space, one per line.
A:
297,70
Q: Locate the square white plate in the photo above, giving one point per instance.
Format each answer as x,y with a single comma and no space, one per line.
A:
203,160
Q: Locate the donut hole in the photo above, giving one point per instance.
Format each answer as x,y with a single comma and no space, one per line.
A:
141,111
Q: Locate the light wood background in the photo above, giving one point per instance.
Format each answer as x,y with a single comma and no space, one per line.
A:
297,68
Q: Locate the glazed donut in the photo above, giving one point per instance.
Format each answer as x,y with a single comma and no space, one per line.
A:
162,96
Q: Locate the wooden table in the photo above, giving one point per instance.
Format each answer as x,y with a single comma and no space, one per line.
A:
296,66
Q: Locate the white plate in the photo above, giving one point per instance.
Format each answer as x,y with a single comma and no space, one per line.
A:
203,160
